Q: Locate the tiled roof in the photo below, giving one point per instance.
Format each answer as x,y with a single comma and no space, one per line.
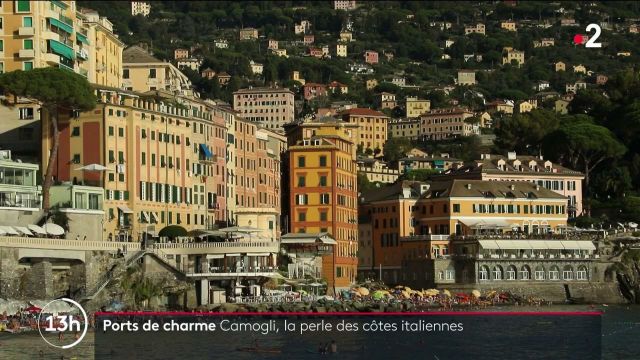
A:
490,189
136,54
363,112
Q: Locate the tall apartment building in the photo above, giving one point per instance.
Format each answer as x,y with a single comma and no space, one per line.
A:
41,34
105,59
140,8
404,128
142,72
272,107
441,124
162,161
372,127
323,193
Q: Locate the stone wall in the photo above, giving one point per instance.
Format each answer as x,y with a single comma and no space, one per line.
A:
83,224
10,273
19,217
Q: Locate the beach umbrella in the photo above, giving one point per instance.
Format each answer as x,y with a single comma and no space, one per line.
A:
446,293
407,289
405,294
315,284
379,294
37,229
491,293
363,291
93,167
33,309
475,293
53,229
399,287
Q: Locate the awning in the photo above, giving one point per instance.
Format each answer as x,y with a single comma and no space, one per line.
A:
570,245
125,209
206,151
512,244
9,230
61,25
486,224
231,255
259,254
83,39
554,244
23,230
215,256
586,245
489,244
59,4
62,49
37,229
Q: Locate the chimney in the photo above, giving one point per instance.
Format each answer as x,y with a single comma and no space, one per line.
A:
468,186
511,155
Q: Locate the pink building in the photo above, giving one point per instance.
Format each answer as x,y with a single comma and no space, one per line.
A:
312,90
317,52
309,39
371,57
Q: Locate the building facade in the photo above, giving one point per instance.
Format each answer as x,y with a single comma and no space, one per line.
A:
441,124
270,106
323,193
372,127
416,107
142,73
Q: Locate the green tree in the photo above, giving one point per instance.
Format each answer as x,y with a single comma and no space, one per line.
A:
524,133
396,148
56,90
583,144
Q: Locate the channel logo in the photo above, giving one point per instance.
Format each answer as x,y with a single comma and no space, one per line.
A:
589,41
65,319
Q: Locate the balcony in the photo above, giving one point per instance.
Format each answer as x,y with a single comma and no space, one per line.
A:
247,247
26,31
424,238
27,53
82,54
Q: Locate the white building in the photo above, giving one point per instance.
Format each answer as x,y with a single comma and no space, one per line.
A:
221,44
140,8
256,68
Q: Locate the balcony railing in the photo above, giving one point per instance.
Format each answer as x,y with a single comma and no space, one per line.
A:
424,237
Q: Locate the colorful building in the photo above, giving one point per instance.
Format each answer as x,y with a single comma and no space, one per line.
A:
323,193
142,72
270,106
372,127
441,124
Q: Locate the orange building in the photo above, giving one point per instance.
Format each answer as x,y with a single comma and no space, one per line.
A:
323,194
372,127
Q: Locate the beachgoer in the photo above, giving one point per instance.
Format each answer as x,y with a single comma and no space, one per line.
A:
334,347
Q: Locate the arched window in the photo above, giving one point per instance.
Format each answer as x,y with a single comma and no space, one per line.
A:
525,272
554,273
539,274
497,272
567,272
581,274
484,273
512,272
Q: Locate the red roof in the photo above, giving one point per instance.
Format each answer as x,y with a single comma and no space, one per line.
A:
363,112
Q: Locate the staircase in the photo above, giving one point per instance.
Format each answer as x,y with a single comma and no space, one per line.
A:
115,271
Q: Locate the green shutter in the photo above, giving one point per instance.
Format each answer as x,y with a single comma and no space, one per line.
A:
61,25
61,49
24,5
81,38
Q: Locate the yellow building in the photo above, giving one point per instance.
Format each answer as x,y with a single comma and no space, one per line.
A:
323,193
39,34
105,57
341,50
372,127
509,56
163,162
508,25
416,107
248,34
142,72
559,66
346,36
525,107
404,128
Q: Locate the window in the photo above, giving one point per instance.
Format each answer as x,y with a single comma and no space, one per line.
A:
27,44
323,216
323,180
75,131
302,216
112,157
144,133
324,199
121,132
153,159
456,208
111,130
27,21
76,159
323,161
143,158
112,177
301,161
23,5
301,181
302,199
26,113
120,157
152,73
125,73
1,45
27,65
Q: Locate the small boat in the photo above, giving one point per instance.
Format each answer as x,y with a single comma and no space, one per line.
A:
260,350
